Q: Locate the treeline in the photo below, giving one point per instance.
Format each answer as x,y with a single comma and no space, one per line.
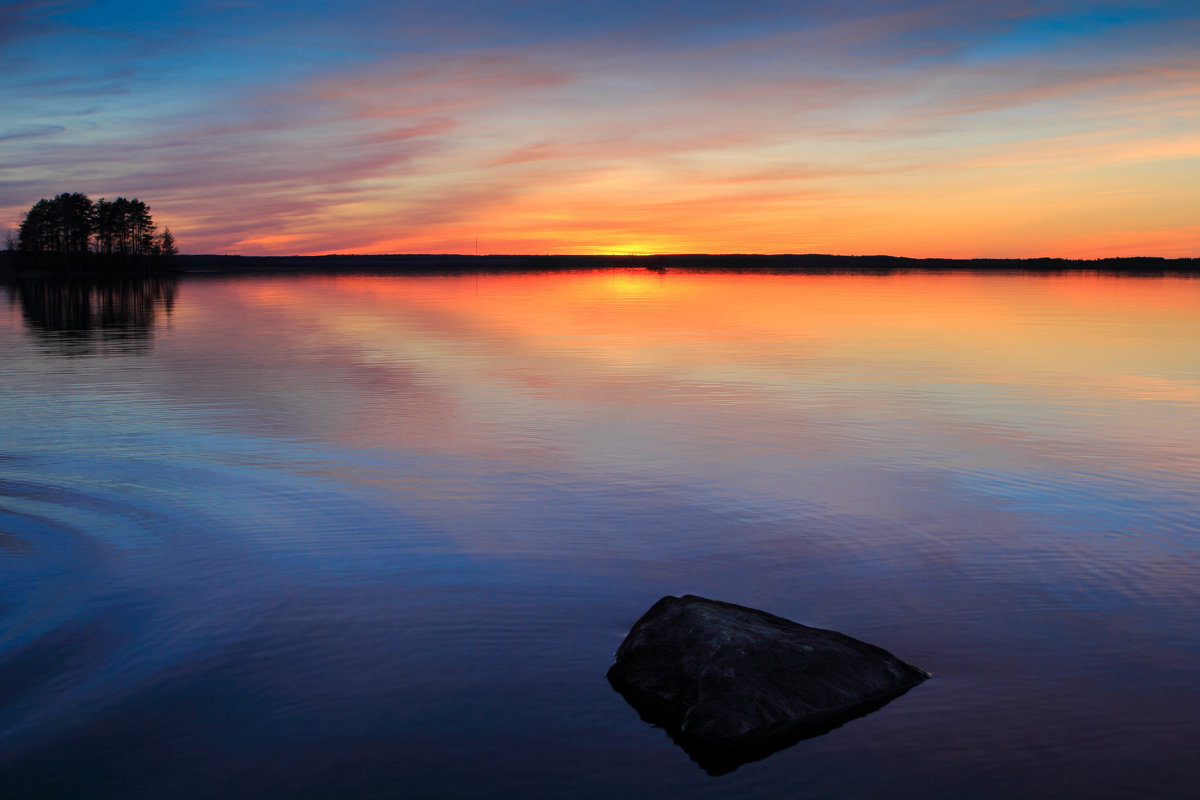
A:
781,264
70,231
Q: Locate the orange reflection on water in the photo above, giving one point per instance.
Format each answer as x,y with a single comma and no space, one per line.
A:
1060,359
1032,317
1017,325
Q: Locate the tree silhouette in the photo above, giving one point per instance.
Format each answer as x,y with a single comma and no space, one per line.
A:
62,226
70,230
124,228
166,244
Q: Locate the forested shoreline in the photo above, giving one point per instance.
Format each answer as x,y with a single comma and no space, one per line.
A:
750,263
70,232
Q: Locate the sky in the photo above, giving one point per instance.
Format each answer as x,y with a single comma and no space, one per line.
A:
1011,128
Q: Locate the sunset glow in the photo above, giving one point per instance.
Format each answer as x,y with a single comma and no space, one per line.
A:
915,128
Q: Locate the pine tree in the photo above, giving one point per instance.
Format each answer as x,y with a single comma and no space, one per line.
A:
166,244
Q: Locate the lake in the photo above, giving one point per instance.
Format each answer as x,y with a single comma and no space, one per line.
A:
366,536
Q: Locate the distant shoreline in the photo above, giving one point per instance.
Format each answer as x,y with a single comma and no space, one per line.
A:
406,264
768,264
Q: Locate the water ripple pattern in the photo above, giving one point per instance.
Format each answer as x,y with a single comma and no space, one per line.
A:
363,536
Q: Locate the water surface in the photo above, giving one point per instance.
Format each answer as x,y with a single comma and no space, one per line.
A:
379,537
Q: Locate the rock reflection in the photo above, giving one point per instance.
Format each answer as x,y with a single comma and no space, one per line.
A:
717,760
83,316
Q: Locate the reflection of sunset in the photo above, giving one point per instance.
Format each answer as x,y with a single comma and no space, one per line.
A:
782,308
772,308
507,465
939,343
635,285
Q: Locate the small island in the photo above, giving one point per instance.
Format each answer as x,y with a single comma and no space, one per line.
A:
71,233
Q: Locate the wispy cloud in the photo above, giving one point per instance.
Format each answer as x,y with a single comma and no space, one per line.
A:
21,20
30,132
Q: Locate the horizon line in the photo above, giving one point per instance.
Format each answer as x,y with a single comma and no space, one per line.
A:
695,255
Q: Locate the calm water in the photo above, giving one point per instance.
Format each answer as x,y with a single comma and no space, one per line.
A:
379,537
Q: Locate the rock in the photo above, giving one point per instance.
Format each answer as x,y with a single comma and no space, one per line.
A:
733,684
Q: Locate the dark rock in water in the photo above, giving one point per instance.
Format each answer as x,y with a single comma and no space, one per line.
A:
733,684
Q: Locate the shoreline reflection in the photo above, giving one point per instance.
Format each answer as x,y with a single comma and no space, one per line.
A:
86,315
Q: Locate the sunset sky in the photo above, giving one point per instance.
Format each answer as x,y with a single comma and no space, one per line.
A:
1010,128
